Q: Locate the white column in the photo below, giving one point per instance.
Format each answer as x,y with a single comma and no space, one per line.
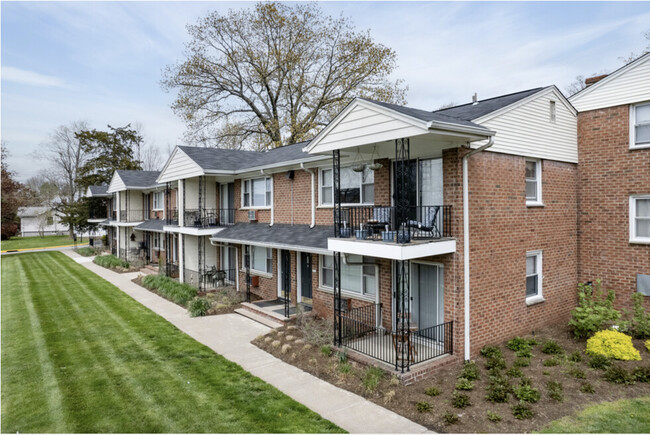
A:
181,209
181,265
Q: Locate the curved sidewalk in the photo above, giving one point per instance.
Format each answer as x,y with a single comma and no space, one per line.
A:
230,335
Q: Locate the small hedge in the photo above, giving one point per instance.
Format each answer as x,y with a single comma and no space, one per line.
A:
613,344
86,251
170,289
110,262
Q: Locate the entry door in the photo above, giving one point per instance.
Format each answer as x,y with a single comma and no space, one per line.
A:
427,299
285,264
227,203
228,262
305,278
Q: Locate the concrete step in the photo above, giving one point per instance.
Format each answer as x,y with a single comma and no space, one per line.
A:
258,318
266,312
148,271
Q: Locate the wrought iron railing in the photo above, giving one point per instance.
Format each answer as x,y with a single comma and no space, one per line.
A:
208,217
391,224
131,215
114,215
98,214
171,270
171,216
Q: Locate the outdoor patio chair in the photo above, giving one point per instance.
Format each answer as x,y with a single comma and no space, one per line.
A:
428,225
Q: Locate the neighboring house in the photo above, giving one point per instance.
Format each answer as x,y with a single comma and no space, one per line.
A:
40,221
614,184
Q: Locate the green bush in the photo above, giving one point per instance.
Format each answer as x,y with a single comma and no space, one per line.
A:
450,418
527,393
521,362
555,391
524,353
110,262
613,344
493,417
618,375
600,362
577,373
498,389
345,367
576,357
86,251
495,363
432,391
464,384
526,380
423,406
641,374
470,371
514,372
460,400
550,347
522,411
326,350
586,387
594,311
639,325
551,362
491,352
518,343
371,378
175,291
198,307
104,240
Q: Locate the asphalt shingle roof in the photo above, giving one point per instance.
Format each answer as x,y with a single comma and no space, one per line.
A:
151,225
100,190
472,111
282,234
133,178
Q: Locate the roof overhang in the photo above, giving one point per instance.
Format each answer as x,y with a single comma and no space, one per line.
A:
391,251
215,239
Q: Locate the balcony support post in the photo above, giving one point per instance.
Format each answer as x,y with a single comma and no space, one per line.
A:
402,300
247,266
402,185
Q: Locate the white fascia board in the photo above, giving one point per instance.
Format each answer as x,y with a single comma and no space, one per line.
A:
586,91
286,164
287,247
148,229
196,172
171,229
191,231
112,188
391,250
128,224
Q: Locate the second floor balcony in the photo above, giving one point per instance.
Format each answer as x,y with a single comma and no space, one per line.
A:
208,217
132,215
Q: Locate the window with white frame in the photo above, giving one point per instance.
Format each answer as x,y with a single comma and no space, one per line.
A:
359,279
640,218
640,126
533,274
533,182
261,259
257,192
158,200
356,187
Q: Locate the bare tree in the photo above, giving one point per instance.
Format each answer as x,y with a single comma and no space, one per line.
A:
632,56
575,86
447,105
275,74
151,158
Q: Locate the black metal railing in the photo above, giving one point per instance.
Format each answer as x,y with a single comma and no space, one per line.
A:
215,277
171,216
208,217
171,270
114,215
98,214
131,215
432,342
388,224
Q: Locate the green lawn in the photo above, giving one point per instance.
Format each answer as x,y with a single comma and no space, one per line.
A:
35,242
623,416
78,355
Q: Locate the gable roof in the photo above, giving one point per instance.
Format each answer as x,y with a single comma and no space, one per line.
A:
477,110
138,179
97,191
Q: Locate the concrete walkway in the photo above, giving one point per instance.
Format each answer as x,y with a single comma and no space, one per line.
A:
230,335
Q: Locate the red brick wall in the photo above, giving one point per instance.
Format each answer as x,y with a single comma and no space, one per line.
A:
609,172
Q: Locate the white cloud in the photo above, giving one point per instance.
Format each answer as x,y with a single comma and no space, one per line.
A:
30,78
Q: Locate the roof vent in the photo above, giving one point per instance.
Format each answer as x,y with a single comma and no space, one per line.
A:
475,98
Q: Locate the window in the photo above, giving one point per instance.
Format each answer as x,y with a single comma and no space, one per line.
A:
640,126
640,219
257,192
261,259
158,200
49,220
534,275
356,187
359,279
533,182
552,111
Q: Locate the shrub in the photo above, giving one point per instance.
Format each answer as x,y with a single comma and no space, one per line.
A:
586,387
550,347
613,344
371,378
174,291
522,411
524,353
639,325
110,262
491,352
521,362
618,375
517,344
450,418
198,307
470,371
526,393
577,373
86,251
495,363
460,400
423,406
493,417
498,389
594,311
641,374
576,357
464,384
514,372
600,362
432,391
317,332
526,381
345,367
555,391
647,345
546,373
326,350
551,362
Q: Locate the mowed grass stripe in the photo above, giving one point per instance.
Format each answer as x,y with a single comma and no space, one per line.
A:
128,370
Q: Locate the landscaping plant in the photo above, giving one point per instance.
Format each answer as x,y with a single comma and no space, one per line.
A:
618,375
110,262
460,400
514,372
423,406
493,417
594,311
470,371
641,374
464,384
613,344
450,418
600,362
586,387
521,362
198,307
522,411
526,393
498,388
555,391
371,378
491,352
432,391
551,347
175,291
639,325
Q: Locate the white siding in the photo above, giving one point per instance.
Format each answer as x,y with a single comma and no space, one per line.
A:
526,130
210,253
179,166
191,253
116,184
631,85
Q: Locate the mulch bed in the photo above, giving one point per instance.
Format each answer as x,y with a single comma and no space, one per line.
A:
472,419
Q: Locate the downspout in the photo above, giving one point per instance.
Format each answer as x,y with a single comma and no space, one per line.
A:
466,240
272,199
313,195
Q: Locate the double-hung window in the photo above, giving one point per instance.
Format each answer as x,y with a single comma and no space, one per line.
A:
533,182
533,276
257,192
640,219
158,200
640,126
261,259
356,187
355,278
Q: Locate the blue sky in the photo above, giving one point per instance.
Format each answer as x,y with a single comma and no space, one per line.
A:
102,61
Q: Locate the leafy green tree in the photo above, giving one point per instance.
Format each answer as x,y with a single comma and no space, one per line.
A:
275,74
14,195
